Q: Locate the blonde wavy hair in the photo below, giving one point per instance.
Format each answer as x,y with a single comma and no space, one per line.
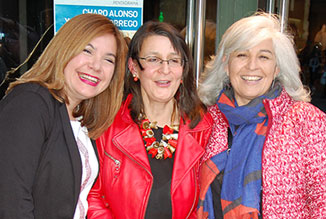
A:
97,112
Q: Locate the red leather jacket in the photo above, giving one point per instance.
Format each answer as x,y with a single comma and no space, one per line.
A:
124,184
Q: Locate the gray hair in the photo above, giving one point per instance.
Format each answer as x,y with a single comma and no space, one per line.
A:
243,35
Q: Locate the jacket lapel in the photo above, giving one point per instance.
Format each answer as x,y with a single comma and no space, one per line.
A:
188,151
72,149
132,145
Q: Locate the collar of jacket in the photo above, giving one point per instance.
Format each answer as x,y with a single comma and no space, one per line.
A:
188,153
278,107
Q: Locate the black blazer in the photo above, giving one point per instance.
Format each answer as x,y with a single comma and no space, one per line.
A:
40,165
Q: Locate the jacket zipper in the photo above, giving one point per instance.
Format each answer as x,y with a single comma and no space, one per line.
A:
142,168
117,163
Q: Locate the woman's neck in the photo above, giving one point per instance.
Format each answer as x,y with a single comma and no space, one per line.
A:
70,109
162,113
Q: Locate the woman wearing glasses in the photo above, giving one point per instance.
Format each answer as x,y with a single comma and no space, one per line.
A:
149,157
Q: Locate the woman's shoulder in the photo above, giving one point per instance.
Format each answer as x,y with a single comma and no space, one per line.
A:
28,105
306,106
305,118
28,90
217,115
306,112
28,95
218,138
30,86
285,105
299,109
121,121
207,118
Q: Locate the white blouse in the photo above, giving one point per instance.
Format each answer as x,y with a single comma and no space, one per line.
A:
90,167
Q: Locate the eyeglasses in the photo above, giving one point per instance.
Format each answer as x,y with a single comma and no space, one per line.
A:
154,61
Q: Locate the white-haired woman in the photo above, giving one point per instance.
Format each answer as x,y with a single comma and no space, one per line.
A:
266,156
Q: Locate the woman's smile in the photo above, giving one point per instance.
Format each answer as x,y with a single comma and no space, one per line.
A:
163,83
251,78
88,79
252,71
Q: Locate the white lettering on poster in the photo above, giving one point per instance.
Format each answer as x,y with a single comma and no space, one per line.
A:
125,23
116,14
123,13
94,11
112,13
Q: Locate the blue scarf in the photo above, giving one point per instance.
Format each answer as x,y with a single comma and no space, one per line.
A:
241,187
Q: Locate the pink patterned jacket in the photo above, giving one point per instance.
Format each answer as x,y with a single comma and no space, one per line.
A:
294,158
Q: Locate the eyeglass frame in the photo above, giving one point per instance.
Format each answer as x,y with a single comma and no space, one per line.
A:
161,61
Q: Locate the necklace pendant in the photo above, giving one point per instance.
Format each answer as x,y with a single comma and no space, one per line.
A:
156,144
171,148
153,152
148,148
167,130
168,152
160,153
149,133
167,145
167,137
160,150
159,156
175,127
145,124
153,125
173,142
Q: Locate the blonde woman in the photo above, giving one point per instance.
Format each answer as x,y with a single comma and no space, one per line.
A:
51,116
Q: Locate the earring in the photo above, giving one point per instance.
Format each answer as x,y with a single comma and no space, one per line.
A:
135,78
228,85
181,81
273,82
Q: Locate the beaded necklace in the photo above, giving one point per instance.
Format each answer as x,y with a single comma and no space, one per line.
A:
166,147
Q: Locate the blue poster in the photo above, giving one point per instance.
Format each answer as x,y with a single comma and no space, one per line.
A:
127,18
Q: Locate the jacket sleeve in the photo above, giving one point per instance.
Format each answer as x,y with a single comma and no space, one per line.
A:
97,207
315,155
23,124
